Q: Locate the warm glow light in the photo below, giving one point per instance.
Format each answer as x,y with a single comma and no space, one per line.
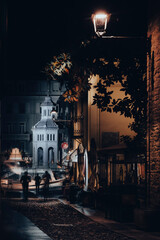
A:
100,16
100,23
54,114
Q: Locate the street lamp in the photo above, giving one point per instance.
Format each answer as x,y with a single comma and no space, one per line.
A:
100,20
54,114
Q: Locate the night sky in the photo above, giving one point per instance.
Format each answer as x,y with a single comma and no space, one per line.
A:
38,30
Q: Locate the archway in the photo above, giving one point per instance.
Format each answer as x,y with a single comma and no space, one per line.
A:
40,156
50,156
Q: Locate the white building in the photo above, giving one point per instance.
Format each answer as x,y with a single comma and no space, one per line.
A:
45,138
21,111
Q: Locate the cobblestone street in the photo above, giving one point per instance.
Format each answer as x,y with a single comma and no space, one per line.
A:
60,221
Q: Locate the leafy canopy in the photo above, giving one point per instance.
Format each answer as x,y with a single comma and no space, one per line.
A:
129,72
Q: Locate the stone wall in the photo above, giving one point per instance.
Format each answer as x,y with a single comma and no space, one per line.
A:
153,137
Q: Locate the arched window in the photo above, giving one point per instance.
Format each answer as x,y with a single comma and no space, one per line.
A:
40,156
50,156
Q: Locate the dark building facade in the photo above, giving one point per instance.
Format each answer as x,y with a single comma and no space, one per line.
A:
148,218
154,105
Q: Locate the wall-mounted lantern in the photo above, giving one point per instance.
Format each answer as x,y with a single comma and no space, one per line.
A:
100,23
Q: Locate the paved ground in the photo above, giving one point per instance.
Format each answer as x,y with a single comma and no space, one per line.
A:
61,220
128,229
15,226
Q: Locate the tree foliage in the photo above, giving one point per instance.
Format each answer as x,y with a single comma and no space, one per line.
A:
129,72
65,69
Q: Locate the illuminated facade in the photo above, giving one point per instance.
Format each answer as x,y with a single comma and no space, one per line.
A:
105,127
21,111
45,138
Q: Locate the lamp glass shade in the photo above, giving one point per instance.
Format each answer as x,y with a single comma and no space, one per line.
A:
100,23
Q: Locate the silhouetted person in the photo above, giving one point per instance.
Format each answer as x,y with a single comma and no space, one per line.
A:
25,179
37,182
46,178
